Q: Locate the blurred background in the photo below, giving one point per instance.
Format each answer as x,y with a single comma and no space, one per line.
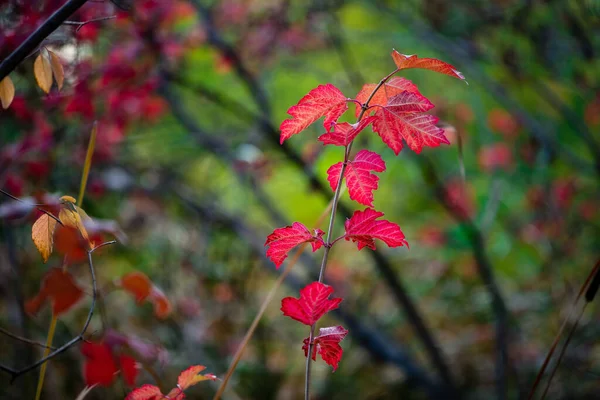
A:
188,174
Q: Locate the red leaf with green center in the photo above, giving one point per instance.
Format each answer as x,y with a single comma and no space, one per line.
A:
403,61
325,100
417,130
363,227
391,88
359,179
282,240
312,304
327,344
344,133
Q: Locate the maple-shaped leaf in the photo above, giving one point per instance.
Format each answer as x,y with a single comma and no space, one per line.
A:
325,100
100,367
145,392
60,288
327,344
191,376
359,179
312,304
389,89
282,240
141,287
417,130
343,134
403,61
363,227
42,234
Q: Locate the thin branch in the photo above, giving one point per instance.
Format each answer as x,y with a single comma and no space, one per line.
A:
81,24
37,37
24,340
15,373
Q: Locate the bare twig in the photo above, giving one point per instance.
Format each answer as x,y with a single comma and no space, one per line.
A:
81,24
24,340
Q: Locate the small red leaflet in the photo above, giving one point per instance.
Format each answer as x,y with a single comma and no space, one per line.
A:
345,133
313,303
325,100
187,378
363,227
391,88
282,240
101,368
403,61
327,344
359,179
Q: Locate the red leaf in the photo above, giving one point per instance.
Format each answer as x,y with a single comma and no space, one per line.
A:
417,130
312,304
327,344
391,88
129,369
282,240
407,102
359,179
142,288
403,61
191,376
99,367
145,392
325,100
345,133
58,286
363,227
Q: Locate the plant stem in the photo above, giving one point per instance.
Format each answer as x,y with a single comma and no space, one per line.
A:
328,244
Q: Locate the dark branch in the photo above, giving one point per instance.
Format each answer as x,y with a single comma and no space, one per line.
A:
25,340
37,37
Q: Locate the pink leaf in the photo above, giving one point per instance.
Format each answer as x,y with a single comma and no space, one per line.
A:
282,240
345,133
327,344
145,392
312,304
417,130
325,100
359,179
403,61
407,102
363,228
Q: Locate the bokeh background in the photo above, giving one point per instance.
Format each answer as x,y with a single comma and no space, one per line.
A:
503,223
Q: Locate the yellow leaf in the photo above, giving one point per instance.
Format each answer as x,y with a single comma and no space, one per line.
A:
43,72
7,92
69,216
42,234
57,69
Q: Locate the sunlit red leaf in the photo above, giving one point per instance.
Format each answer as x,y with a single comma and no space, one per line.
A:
282,240
191,376
345,133
359,179
42,234
407,102
327,344
325,100
99,367
391,88
312,304
43,72
7,92
60,288
403,61
417,130
145,392
363,227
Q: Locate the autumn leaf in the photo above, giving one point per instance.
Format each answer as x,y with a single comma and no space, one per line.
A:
57,69
141,287
343,134
42,70
325,100
327,344
7,92
60,288
282,240
42,234
145,392
191,376
312,304
99,367
359,179
129,369
396,85
403,61
363,227
187,379
417,130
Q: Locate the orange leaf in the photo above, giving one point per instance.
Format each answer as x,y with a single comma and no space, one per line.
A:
403,61
42,234
57,69
43,72
58,286
7,92
138,284
70,217
191,376
162,305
